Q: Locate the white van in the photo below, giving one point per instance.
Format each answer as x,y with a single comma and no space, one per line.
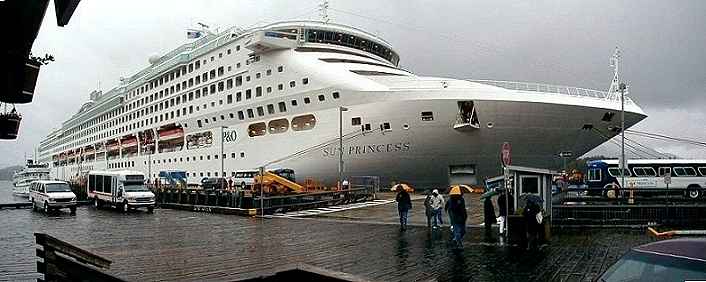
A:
244,178
121,189
52,195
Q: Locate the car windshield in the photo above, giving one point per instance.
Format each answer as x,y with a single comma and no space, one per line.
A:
639,266
135,188
57,187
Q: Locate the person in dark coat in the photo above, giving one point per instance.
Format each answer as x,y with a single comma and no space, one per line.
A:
404,204
502,211
456,208
530,216
428,210
489,215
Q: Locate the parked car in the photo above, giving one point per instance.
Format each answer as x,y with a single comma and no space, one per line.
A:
213,183
52,195
668,260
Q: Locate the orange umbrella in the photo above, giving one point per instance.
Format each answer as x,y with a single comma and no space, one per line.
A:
404,186
460,189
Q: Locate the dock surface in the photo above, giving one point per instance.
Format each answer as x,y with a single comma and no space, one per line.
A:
182,245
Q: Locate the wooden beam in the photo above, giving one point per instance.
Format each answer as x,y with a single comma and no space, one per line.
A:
70,250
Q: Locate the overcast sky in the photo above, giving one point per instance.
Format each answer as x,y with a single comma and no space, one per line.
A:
556,42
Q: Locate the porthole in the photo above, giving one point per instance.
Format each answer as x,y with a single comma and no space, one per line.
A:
489,125
405,126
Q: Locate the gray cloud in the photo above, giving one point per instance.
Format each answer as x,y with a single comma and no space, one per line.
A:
558,42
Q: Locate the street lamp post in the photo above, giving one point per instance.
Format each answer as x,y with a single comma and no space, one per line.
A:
223,139
340,146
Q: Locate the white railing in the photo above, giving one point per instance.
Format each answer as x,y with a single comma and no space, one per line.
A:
547,88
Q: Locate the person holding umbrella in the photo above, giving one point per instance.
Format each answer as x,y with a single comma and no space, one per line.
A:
404,204
456,208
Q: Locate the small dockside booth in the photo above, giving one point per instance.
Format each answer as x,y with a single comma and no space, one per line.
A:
528,184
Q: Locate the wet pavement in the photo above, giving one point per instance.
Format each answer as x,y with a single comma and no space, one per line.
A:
180,245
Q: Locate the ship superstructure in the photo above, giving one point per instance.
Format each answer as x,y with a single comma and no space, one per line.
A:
274,95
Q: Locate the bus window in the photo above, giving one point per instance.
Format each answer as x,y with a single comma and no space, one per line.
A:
665,171
594,174
684,171
615,172
702,170
644,171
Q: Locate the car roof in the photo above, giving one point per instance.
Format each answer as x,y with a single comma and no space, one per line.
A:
688,248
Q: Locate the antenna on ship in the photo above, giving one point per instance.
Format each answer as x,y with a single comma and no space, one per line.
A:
614,89
323,11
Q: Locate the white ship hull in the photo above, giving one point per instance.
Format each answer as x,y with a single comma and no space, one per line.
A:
414,132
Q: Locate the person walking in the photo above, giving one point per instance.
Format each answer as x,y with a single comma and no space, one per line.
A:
456,208
428,211
504,208
404,204
437,202
489,215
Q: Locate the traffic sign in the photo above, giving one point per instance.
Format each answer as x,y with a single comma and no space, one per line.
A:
566,154
667,179
505,154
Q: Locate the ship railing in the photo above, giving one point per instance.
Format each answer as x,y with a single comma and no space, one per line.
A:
556,89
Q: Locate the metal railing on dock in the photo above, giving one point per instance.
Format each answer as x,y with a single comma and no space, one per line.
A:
628,207
247,203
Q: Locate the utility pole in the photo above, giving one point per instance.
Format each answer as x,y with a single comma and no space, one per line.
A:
622,134
340,146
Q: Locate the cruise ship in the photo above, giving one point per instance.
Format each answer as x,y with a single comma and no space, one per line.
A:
32,172
283,94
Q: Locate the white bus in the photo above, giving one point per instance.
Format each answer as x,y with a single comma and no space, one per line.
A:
121,189
645,174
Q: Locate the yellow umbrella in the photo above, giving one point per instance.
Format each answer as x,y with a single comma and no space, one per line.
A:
460,189
404,186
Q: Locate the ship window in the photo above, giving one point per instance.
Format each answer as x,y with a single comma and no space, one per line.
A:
247,78
251,113
238,80
355,121
336,95
213,88
198,80
260,111
280,69
198,122
214,118
322,98
204,77
280,86
212,74
427,116
241,116
237,65
232,156
258,91
220,71
231,115
258,75
256,129
229,83
282,107
305,122
229,99
278,126
385,126
220,86
270,109
223,117
237,48
305,80
191,67
294,102
242,154
238,96
307,100
269,72
248,94
292,84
